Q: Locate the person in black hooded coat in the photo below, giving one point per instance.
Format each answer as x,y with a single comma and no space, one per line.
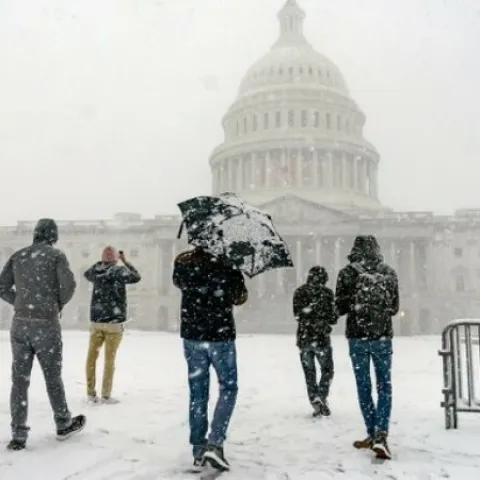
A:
314,310
367,292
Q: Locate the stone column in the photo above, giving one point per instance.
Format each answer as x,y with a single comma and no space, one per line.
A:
174,254
253,171
299,263
356,186
393,255
366,186
336,262
412,265
318,251
214,179
315,161
330,182
231,175
268,169
344,163
299,164
159,266
240,170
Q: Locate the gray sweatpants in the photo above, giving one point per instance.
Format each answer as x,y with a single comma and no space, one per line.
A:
43,339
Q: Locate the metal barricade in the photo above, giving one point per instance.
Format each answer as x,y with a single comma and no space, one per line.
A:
461,369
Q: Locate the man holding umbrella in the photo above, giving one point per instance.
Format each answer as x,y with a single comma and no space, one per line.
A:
230,238
210,288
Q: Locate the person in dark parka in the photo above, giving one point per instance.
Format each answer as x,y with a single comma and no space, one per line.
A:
314,310
38,282
210,289
367,292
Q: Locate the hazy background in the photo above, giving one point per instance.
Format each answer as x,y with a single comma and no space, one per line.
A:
115,105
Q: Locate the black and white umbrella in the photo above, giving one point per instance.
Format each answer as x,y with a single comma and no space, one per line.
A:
227,226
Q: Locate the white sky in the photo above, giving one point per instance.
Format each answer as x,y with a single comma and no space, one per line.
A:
115,105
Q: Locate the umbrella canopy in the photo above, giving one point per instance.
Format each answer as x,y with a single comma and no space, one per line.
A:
225,225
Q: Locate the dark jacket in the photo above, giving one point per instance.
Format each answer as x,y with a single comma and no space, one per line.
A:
366,254
314,310
210,289
37,280
109,295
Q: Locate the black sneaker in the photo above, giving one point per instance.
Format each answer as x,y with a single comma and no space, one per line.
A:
16,445
198,464
216,458
380,446
77,425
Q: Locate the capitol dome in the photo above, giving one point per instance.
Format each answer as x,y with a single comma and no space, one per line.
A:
294,129
292,60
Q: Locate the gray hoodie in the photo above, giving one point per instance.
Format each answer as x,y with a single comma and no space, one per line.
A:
37,280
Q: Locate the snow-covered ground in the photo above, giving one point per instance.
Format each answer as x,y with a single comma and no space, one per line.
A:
272,435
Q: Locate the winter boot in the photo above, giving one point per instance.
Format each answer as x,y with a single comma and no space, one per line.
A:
77,425
93,400
110,401
16,445
216,458
365,444
380,446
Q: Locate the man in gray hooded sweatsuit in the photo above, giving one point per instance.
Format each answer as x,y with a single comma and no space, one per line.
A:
38,282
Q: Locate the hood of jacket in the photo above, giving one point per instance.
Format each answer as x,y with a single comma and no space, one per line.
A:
46,231
366,250
317,277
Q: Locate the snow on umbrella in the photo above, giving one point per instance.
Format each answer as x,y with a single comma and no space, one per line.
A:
225,225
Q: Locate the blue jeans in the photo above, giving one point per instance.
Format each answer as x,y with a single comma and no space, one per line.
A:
223,357
324,357
376,418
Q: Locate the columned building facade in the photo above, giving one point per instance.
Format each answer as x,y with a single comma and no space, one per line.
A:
293,146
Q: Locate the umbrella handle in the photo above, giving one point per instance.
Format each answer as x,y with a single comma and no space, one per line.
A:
180,230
